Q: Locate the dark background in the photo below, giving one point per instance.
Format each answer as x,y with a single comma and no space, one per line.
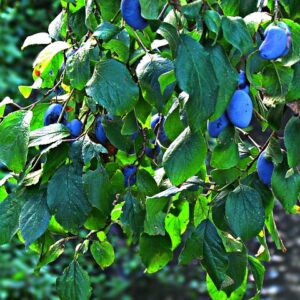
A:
125,280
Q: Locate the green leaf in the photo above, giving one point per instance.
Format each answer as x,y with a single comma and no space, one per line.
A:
227,78
236,33
212,20
78,67
48,53
155,216
41,38
103,253
48,134
215,294
195,76
226,153
91,150
146,184
258,271
292,141
281,184
245,212
293,55
230,7
272,228
97,187
113,130
277,79
133,216
91,21
206,245
10,209
192,10
201,210
148,71
105,88
105,31
169,32
176,225
109,8
150,9
155,252
35,216
189,149
52,254
58,27
291,7
294,92
66,198
173,125
14,136
74,284
237,271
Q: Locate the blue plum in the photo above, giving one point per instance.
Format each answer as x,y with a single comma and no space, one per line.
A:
216,127
99,132
52,114
152,152
162,134
265,168
75,127
129,173
240,109
131,13
277,41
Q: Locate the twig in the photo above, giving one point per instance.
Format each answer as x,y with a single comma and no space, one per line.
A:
140,42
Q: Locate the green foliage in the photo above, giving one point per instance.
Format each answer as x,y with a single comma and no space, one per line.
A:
193,193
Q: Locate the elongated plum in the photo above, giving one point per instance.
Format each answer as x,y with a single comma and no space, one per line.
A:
75,127
240,109
277,42
52,114
131,13
265,168
99,132
216,127
129,173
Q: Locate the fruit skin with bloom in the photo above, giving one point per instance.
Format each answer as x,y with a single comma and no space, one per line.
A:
129,173
265,168
99,132
215,127
75,127
131,13
52,114
277,42
240,109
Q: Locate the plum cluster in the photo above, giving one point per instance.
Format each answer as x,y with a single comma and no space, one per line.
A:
152,151
52,116
239,111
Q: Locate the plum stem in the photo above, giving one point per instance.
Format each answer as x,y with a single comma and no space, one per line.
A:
65,106
140,42
249,137
260,5
162,13
276,11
